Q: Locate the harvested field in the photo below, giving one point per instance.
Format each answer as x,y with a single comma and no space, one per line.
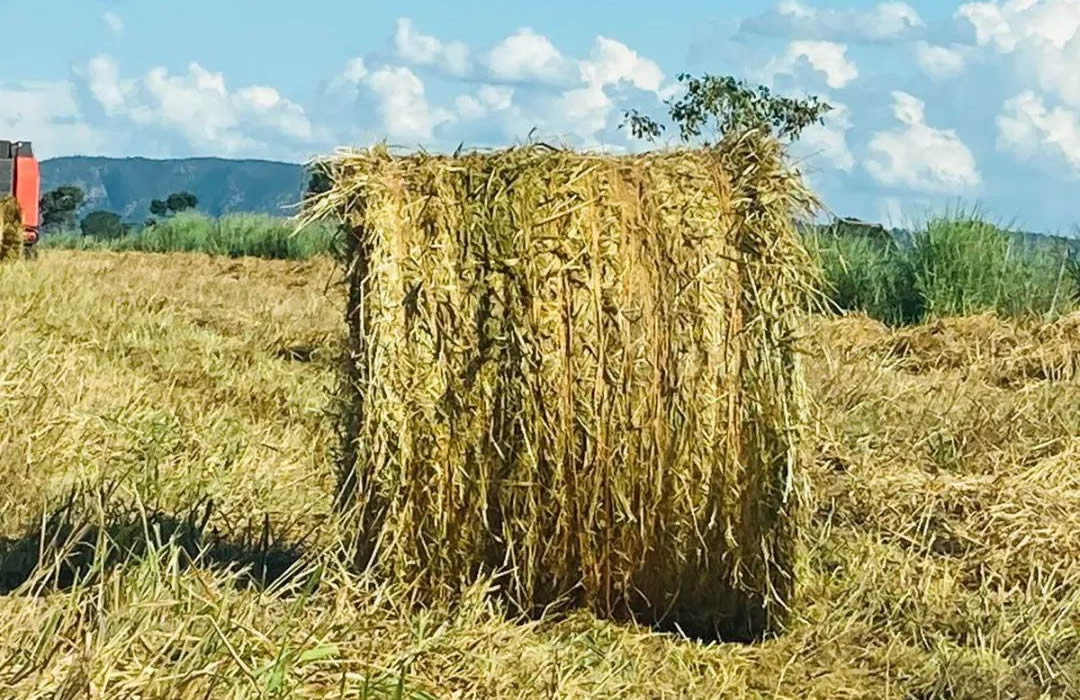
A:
162,425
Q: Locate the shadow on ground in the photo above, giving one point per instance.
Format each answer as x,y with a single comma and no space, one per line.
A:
75,544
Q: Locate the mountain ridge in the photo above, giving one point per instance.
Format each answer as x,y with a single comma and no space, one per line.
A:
126,185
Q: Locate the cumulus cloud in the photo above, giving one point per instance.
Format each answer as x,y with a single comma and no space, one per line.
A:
1041,37
199,106
1029,130
887,21
403,105
423,49
829,140
355,71
1039,40
526,56
114,21
526,82
48,114
825,57
612,61
487,100
918,156
940,62
103,79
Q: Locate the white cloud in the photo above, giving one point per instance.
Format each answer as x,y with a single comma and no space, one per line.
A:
423,49
526,56
1030,131
103,79
355,70
940,62
1040,42
611,62
114,21
829,140
1005,26
199,106
918,156
826,57
48,114
887,21
1042,37
488,99
404,108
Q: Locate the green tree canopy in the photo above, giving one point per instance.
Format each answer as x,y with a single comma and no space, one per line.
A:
58,207
729,106
103,224
181,201
158,207
319,181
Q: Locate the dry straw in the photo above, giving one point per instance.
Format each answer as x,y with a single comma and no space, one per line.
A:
11,229
578,372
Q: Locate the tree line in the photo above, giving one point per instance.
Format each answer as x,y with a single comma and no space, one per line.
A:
59,212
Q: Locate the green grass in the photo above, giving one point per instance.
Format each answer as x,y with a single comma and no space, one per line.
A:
957,263
233,235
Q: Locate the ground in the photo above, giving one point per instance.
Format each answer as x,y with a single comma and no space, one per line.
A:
159,409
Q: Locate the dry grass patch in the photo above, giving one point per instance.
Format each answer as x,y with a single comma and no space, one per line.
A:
924,576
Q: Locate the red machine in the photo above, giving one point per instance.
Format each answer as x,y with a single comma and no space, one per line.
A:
21,177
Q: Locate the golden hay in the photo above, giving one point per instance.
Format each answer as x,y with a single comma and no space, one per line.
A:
1003,352
578,371
11,229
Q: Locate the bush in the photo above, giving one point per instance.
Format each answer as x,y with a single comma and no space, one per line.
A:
103,225
864,275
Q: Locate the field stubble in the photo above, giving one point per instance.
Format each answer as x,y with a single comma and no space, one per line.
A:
163,432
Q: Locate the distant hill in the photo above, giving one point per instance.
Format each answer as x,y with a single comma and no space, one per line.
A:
126,185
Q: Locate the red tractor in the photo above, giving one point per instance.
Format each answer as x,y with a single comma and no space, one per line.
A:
20,177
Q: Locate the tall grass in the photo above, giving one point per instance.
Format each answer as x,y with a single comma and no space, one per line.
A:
233,235
957,263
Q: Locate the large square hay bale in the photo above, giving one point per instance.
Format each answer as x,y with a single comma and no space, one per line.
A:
578,371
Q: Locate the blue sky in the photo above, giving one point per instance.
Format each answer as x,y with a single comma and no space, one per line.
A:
936,103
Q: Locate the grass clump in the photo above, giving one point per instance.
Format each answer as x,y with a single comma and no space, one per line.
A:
956,264
232,235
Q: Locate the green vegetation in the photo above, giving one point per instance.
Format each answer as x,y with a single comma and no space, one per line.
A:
729,106
233,235
955,264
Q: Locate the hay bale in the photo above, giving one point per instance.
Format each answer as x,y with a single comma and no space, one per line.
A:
12,235
579,370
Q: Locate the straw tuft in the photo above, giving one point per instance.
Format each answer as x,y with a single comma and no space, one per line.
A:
11,229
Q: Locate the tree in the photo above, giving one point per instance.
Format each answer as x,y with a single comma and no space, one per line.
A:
58,207
181,201
103,224
158,208
731,106
319,182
